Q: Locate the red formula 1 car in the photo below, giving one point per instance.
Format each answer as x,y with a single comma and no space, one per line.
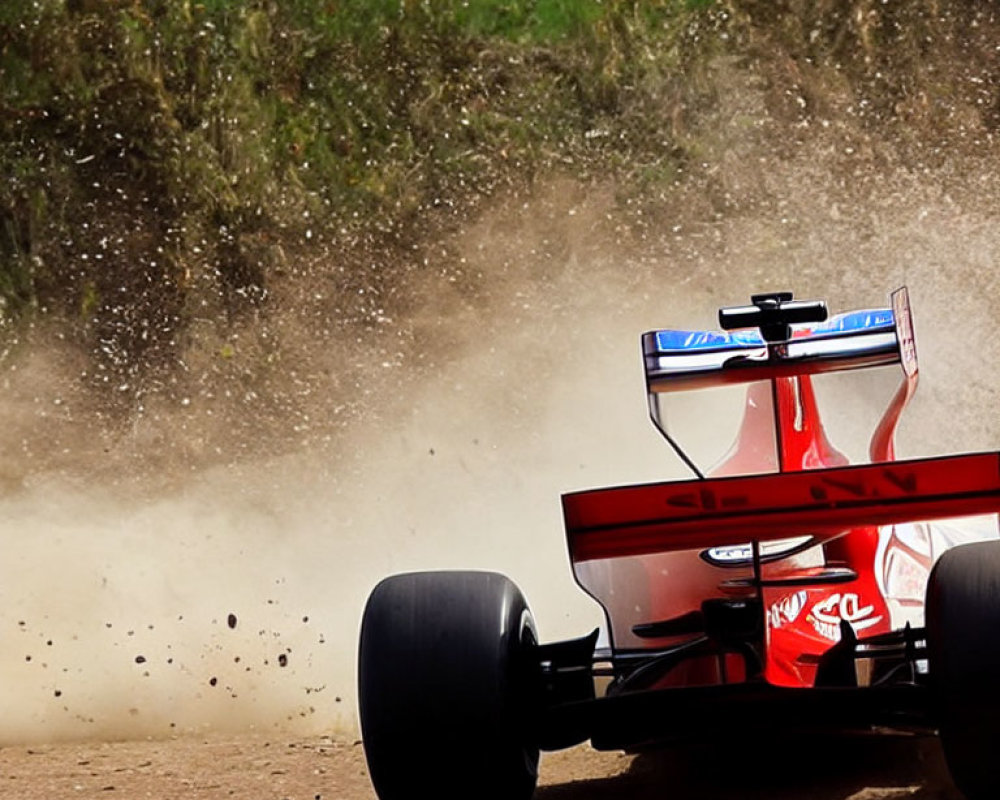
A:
785,589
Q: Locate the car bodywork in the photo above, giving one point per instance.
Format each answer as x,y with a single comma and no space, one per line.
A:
782,574
798,583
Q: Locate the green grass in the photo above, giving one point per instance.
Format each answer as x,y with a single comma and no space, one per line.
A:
240,115
161,154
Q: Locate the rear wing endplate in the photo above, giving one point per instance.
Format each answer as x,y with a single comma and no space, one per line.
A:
824,503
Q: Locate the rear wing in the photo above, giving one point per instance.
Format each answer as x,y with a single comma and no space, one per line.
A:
792,338
823,503
679,360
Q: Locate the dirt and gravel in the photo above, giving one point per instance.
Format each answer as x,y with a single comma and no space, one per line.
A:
255,767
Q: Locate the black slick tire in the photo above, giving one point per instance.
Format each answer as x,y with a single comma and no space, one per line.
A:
963,643
447,687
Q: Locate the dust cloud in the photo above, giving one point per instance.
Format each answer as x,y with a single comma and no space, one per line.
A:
230,597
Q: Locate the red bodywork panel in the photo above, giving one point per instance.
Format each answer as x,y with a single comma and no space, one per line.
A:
644,551
686,515
662,526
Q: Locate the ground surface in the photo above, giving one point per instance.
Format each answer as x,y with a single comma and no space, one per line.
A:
279,768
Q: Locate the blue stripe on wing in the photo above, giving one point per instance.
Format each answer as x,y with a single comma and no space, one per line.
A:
853,322
689,341
706,341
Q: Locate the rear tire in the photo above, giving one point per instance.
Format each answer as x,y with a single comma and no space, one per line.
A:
963,643
448,687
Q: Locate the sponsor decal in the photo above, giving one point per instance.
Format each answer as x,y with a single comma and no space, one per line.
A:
739,555
826,614
787,609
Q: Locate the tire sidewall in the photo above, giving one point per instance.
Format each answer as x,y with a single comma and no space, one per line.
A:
447,680
963,652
